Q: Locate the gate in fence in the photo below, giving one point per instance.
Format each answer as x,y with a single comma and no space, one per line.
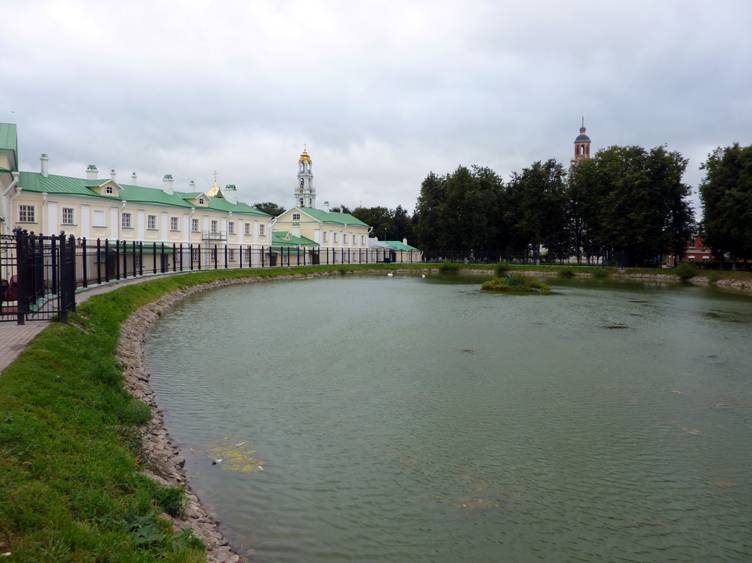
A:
37,276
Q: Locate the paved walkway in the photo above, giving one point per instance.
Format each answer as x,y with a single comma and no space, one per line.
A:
14,338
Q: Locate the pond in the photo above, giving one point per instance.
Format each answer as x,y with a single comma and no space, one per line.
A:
401,419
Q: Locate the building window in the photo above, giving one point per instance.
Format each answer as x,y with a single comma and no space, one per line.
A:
151,222
296,216
125,219
231,252
67,215
214,227
324,235
248,228
261,230
174,224
362,240
26,214
344,238
334,238
231,227
201,200
108,190
194,225
98,218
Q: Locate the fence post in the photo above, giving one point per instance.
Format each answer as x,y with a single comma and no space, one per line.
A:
135,264
21,242
55,265
99,261
174,266
140,258
125,260
117,259
240,249
198,253
181,256
262,256
62,296
106,260
84,268
225,256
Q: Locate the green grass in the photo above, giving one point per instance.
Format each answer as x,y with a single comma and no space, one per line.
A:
70,453
685,271
515,284
450,267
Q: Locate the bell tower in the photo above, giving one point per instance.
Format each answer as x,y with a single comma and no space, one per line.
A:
582,144
305,194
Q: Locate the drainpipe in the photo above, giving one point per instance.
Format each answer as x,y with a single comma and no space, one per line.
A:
6,209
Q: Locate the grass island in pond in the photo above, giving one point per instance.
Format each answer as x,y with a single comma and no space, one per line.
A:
516,284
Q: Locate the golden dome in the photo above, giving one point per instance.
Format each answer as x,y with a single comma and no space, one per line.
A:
304,156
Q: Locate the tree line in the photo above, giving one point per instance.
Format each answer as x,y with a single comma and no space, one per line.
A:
626,206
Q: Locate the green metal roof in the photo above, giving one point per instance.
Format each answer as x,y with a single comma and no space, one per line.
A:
330,217
284,238
221,204
53,184
9,138
397,245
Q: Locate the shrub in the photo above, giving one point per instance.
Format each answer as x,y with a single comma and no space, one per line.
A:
501,269
447,267
685,270
567,274
170,499
515,284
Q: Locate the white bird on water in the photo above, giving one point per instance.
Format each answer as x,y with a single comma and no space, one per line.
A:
423,276
390,275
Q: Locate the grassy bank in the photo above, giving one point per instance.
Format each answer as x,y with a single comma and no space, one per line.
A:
70,473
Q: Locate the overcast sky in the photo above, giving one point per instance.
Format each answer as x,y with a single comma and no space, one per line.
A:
382,92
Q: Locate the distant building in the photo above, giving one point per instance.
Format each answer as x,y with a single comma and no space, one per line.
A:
581,145
395,250
325,228
95,207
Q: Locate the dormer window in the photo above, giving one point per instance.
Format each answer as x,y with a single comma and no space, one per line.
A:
296,216
201,200
108,190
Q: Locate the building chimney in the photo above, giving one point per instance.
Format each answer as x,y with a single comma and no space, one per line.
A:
192,185
404,241
230,193
91,172
134,179
43,160
168,181
326,206
113,174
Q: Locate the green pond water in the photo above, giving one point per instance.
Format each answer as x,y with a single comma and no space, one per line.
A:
405,419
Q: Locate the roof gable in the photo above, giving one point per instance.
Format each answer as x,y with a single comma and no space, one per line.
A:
321,216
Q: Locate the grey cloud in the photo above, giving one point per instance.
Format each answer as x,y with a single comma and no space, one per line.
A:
381,93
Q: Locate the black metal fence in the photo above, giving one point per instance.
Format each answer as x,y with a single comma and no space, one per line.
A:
39,274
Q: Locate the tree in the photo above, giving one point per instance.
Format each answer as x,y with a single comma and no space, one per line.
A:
536,209
270,207
726,194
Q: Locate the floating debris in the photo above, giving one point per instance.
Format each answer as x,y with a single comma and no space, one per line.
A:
468,350
615,326
236,457
677,392
692,431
